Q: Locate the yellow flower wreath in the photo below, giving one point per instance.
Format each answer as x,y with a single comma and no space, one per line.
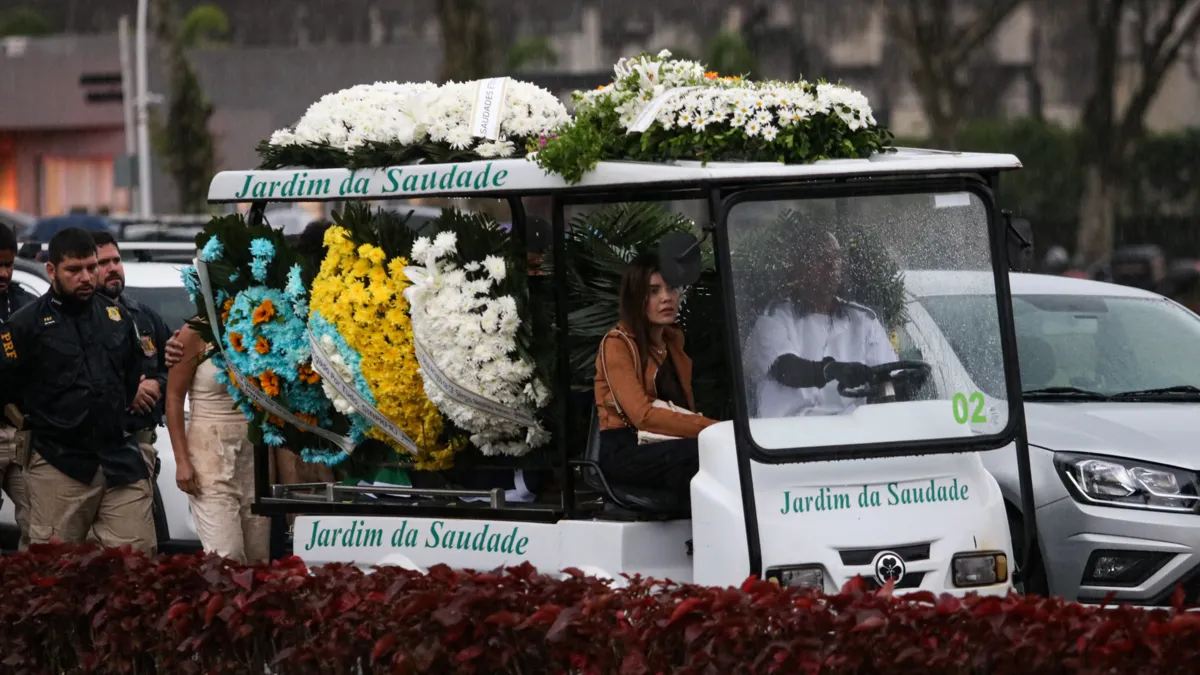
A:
360,292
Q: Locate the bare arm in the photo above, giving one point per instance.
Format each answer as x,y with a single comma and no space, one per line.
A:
179,382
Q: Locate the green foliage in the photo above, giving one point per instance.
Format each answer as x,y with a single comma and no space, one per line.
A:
1164,170
576,148
369,155
184,138
681,53
1048,187
1161,186
599,245
532,50
187,143
386,229
466,40
1050,184
231,272
596,134
24,21
206,24
766,255
729,54
702,130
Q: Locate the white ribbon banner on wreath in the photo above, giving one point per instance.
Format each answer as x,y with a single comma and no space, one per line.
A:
415,294
464,396
646,117
250,388
322,365
489,108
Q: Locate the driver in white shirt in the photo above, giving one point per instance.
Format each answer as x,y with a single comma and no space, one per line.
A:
803,345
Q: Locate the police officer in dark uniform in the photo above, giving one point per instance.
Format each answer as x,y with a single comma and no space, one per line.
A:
146,414
12,472
74,362
12,297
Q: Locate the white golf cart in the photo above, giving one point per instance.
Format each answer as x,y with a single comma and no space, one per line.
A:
811,487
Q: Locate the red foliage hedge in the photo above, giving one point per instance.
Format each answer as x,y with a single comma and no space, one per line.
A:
86,610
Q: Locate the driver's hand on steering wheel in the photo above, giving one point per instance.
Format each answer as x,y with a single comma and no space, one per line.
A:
851,375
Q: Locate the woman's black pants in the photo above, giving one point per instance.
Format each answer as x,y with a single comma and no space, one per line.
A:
666,465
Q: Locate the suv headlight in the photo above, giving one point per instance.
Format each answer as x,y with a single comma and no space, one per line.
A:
1127,483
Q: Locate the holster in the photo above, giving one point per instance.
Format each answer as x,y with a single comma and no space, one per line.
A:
23,438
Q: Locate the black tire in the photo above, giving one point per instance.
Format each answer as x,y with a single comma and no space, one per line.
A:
1037,583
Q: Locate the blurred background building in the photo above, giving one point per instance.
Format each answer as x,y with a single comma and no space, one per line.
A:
1099,98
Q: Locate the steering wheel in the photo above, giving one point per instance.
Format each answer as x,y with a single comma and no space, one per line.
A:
911,371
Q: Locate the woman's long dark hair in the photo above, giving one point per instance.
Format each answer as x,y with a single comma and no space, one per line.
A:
635,295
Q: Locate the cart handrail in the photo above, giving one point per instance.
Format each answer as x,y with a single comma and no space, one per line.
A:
331,492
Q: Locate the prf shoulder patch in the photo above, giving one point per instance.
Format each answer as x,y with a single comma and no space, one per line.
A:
10,349
114,313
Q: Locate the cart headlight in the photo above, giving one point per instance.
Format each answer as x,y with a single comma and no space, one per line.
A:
1127,483
979,569
802,576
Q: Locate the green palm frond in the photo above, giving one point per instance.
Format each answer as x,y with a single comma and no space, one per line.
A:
600,244
388,230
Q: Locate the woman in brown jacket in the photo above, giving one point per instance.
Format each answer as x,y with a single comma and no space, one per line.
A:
640,369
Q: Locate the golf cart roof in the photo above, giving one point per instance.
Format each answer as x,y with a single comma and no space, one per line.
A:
924,283
522,176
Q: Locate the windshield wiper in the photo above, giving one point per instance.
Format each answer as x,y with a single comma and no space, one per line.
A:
1187,390
1064,392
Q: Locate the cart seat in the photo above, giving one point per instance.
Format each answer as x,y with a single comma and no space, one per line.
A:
626,503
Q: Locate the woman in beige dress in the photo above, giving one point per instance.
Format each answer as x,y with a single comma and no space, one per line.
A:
214,458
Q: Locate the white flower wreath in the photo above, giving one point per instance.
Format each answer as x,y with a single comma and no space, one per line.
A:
411,113
695,99
381,112
470,335
529,111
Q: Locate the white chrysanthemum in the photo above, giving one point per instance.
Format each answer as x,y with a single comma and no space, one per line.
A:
459,138
850,105
420,249
408,113
502,148
443,244
380,112
495,267
471,337
528,111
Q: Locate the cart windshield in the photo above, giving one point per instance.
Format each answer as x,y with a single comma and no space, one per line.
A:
823,291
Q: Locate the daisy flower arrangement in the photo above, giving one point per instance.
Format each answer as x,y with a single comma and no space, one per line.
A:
473,335
389,123
663,109
360,319
261,305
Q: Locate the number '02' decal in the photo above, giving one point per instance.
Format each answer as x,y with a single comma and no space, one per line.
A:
969,408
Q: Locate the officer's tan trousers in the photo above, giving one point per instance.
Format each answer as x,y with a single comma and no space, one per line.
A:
12,483
60,506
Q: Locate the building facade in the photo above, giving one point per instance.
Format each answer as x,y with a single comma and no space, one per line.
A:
57,150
